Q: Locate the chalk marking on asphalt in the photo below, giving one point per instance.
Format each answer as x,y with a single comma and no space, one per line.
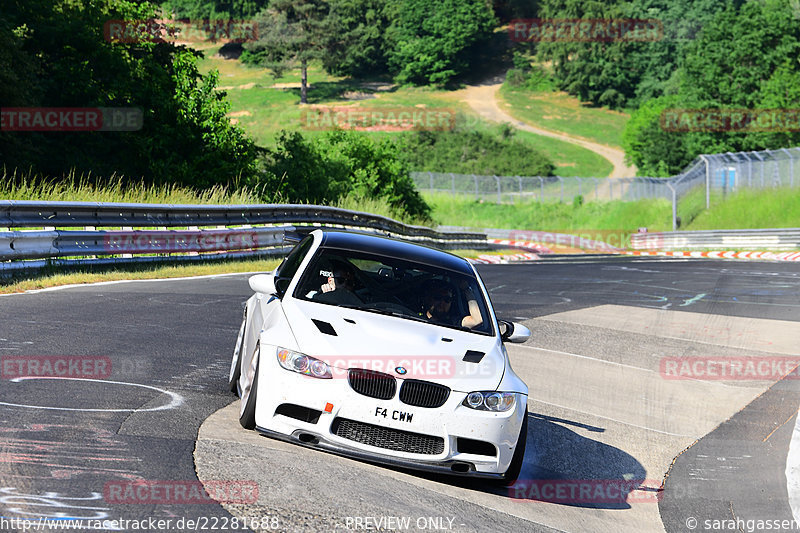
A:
690,301
176,399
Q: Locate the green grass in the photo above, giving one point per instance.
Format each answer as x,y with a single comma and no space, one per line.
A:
557,111
19,186
44,279
749,209
551,216
263,111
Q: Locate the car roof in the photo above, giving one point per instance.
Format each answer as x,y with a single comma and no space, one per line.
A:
361,242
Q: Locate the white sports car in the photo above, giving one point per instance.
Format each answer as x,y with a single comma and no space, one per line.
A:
385,351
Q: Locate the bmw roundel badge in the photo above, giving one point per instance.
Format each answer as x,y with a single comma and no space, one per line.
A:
400,370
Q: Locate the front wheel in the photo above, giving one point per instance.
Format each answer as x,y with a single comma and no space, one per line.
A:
515,467
236,362
247,415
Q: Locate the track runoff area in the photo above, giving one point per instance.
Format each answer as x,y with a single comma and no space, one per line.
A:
663,397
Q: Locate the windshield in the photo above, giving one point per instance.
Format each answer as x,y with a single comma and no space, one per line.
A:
396,287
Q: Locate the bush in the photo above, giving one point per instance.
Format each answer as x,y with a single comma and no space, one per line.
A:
474,152
337,165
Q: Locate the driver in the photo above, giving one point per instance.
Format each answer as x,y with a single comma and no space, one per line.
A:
438,304
340,286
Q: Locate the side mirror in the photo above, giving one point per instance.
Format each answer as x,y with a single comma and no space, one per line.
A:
264,283
513,332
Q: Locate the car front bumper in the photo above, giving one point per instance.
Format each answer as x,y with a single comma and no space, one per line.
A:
389,432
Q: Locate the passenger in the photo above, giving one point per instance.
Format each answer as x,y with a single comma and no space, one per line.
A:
438,304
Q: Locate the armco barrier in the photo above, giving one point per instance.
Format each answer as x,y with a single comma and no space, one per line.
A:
19,247
750,239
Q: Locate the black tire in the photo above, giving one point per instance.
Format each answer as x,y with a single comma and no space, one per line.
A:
515,467
236,363
247,418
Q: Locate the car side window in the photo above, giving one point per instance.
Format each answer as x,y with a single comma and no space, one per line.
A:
287,269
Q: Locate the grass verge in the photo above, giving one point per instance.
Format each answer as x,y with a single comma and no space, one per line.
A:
55,278
551,216
558,111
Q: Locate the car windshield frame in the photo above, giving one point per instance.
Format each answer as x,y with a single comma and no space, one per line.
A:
393,286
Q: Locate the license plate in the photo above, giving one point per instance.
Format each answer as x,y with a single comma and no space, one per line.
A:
394,414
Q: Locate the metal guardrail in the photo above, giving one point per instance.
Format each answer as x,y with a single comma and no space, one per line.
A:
752,239
19,246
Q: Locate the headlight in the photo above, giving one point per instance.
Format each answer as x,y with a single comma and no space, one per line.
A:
490,401
303,364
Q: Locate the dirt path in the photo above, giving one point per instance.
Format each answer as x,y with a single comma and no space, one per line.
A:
483,99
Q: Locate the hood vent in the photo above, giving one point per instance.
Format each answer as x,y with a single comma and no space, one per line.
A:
324,327
473,357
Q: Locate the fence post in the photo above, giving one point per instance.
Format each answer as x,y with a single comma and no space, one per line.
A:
430,178
791,167
476,185
674,207
499,198
562,188
453,183
708,180
541,189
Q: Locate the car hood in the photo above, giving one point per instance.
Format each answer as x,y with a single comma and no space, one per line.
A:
348,338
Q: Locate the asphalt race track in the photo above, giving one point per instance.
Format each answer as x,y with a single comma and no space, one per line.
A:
147,400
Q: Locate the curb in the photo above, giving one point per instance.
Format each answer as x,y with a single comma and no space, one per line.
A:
763,256
503,259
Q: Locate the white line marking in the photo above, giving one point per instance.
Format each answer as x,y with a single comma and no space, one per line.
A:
176,399
793,471
710,382
613,419
74,285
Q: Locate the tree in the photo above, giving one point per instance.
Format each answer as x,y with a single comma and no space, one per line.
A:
357,37
215,9
744,59
290,32
433,41
58,51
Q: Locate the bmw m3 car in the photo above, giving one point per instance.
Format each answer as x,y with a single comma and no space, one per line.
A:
385,351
